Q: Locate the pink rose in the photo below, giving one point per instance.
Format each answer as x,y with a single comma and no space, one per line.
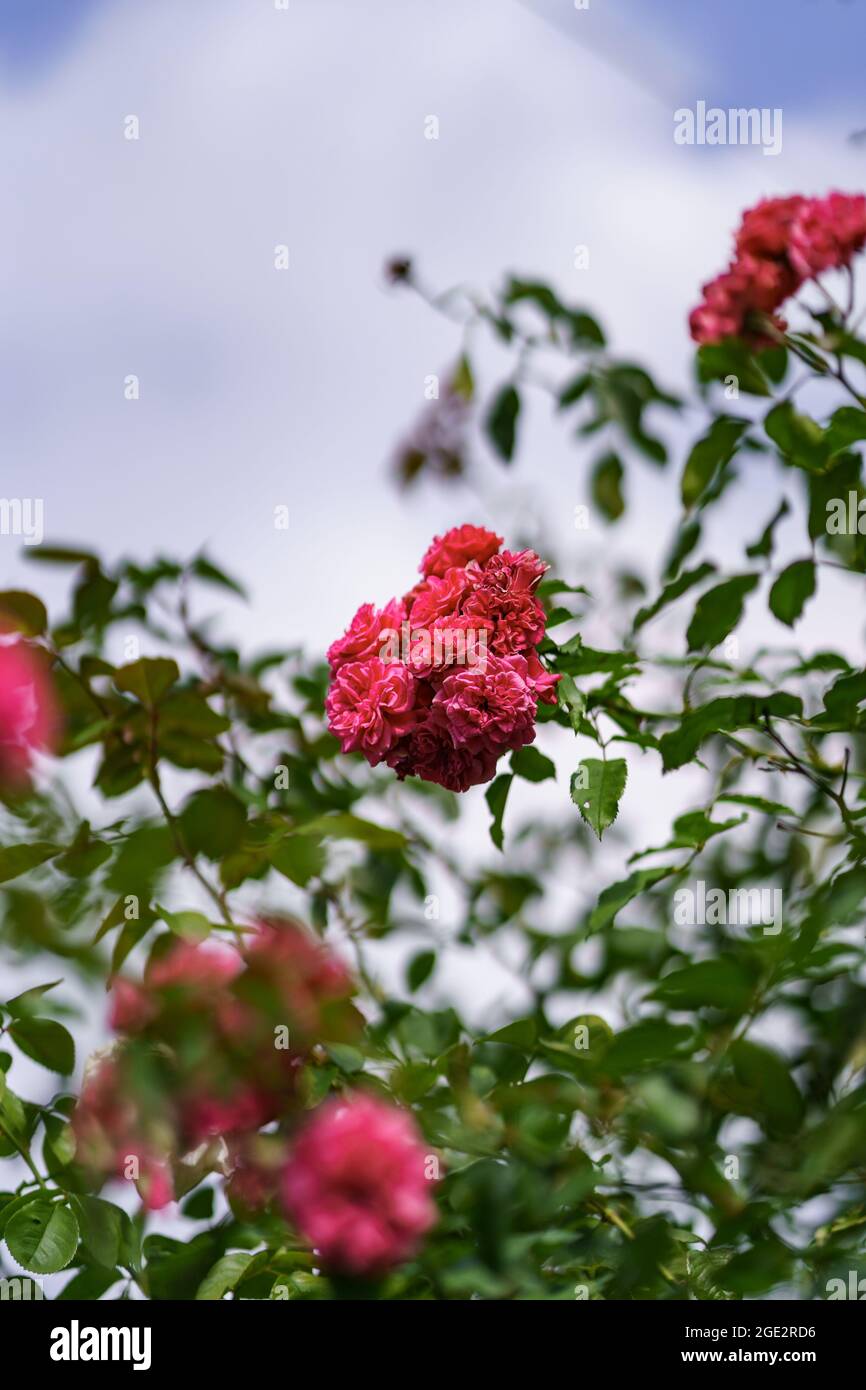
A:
205,968
489,709
205,1116
370,705
766,228
303,973
543,682
355,1185
504,595
457,547
29,717
429,753
108,1134
750,286
366,634
440,598
132,1008
827,232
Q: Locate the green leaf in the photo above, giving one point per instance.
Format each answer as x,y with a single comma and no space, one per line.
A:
681,744
349,1059
212,822
596,789
199,1207
847,426
60,555
799,438
777,1101
572,700
718,361
224,1276
718,611
191,926
299,858
42,1237
20,859
615,897
47,1042
27,1003
84,856
647,1044
532,765
419,969
715,449
795,585
496,797
758,803
208,572
606,486
25,611
679,586
101,1224
463,381
521,1033
762,548
720,984
343,826
147,679
501,421
88,1285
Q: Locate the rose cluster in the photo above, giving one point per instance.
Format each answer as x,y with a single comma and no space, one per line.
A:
781,243
213,1046
439,684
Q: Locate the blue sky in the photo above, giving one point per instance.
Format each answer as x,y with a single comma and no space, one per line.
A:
803,53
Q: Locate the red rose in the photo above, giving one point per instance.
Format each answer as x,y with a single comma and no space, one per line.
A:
828,232
366,633
370,705
356,1185
457,547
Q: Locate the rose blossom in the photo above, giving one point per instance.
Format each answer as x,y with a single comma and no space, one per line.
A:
370,705
107,1130
827,232
440,598
780,243
28,711
364,636
504,594
198,973
355,1185
765,229
445,699
429,752
306,977
750,286
205,1116
489,709
457,547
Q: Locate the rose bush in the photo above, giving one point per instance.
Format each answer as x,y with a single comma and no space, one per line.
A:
248,843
